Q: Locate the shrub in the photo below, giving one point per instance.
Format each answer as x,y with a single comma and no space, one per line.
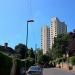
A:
5,64
72,60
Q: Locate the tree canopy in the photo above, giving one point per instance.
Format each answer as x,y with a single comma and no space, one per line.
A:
21,49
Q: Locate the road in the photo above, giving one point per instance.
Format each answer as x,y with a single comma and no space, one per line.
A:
55,71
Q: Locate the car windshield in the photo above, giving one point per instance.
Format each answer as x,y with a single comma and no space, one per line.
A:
35,68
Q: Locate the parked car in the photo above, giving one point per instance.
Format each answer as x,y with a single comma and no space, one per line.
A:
35,70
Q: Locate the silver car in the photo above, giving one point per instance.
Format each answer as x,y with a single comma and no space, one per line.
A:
35,70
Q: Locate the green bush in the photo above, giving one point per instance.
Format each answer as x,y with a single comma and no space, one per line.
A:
5,64
30,62
21,64
72,60
59,60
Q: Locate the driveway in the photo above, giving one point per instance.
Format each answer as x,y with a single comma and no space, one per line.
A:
57,71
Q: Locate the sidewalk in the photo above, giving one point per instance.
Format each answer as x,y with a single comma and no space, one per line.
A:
66,67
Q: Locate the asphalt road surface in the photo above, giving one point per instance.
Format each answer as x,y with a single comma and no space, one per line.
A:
56,71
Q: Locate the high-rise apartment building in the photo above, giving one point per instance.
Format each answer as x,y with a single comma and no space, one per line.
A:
48,33
57,27
45,39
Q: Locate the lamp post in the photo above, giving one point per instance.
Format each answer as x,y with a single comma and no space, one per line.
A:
27,41
27,31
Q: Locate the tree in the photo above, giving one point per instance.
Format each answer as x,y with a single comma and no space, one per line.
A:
71,46
31,53
21,50
49,53
30,62
43,59
56,53
38,53
61,43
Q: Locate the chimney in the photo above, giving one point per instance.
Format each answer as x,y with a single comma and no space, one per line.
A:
5,45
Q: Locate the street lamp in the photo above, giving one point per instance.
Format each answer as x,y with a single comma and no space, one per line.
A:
27,31
27,40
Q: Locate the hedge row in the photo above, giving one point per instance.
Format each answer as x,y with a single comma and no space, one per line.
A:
5,64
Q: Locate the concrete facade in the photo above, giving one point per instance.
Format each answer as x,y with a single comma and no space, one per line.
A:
57,27
45,39
48,33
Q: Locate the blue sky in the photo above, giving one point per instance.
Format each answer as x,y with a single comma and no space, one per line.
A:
15,13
